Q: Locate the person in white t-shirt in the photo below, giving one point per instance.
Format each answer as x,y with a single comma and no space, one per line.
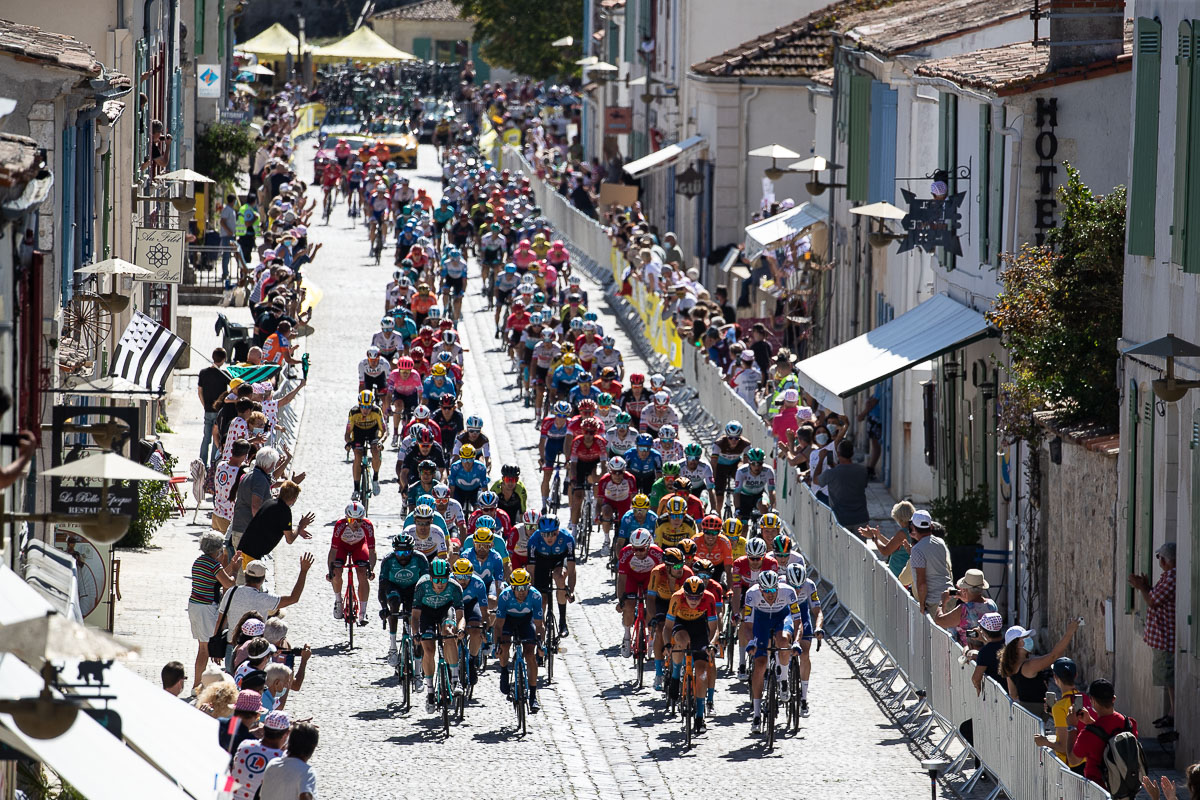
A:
252,756
290,777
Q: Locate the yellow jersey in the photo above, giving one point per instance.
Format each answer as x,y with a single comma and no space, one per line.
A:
364,422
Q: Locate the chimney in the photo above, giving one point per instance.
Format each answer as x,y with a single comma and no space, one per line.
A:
1085,31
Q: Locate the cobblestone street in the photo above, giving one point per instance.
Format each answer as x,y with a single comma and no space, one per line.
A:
596,736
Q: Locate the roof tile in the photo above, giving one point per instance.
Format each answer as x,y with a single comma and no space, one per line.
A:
55,49
424,10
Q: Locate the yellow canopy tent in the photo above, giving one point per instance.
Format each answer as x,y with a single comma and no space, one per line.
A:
273,43
362,45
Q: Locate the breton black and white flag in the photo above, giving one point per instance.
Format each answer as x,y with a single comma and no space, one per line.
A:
146,353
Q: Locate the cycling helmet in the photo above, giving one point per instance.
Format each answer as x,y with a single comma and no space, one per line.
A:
732,527
641,501
427,465
755,455
687,547
434,313
562,408
703,568
586,406
510,471
673,557
426,500
449,336
366,398
710,522
445,356
590,425
637,379
575,280
609,342
441,491
756,548
397,275
768,580
676,507
623,419
474,423
683,483
463,568
423,512
667,433
694,586
693,451
547,524
616,464
661,398
733,428
576,324
356,510
770,520
438,370
640,539
531,517
484,536
796,573
447,401
657,381
405,364
402,541
604,400
466,452
519,578
547,334
424,436
486,521
439,569
568,360
670,469
782,544
589,327
644,440
487,499
387,324
421,411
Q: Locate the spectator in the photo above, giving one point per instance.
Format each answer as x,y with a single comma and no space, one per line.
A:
788,418
896,549
275,632
1063,713
1159,634
240,426
173,677
929,562
252,756
217,698
760,347
205,595
251,597
1100,725
251,626
227,410
873,415
672,254
253,491
279,683
1192,777
291,777
722,300
846,483
230,735
227,227
273,523
1023,671
746,378
226,476
969,606
212,383
258,653
987,658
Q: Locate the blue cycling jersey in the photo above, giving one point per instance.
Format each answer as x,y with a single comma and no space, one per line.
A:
489,569
565,377
578,394
634,462
433,392
475,592
563,547
474,478
507,605
629,523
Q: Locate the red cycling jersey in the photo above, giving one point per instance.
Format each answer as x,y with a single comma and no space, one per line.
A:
517,321
573,425
616,491
352,543
636,568
582,451
745,576
498,514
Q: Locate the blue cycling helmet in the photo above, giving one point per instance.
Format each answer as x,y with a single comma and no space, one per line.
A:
510,267
426,500
644,440
486,521
547,524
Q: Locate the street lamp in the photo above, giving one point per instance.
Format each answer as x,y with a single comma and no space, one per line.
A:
1170,347
881,211
774,151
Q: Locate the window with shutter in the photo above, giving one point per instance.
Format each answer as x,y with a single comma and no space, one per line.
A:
882,161
1183,64
423,47
1143,179
948,156
1194,610
985,175
1146,501
996,201
1131,488
1191,230
860,140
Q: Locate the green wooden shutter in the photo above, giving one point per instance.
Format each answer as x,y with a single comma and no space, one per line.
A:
1131,488
996,203
198,31
1191,237
1143,183
1183,63
614,43
423,47
1146,522
860,138
483,72
631,41
645,20
985,176
948,156
1194,609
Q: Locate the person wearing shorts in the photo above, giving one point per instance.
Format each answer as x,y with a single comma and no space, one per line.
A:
353,543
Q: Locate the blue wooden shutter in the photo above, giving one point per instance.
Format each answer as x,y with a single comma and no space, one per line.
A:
1143,179
882,170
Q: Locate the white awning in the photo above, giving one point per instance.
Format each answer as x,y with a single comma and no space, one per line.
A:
661,159
774,231
936,326
87,756
19,601
172,735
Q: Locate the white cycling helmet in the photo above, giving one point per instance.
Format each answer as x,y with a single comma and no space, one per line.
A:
796,573
641,538
356,510
756,548
616,464
733,428
768,580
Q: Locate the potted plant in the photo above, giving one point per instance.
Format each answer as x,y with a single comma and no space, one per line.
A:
964,519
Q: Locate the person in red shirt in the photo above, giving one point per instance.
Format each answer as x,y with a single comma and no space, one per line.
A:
587,410
634,565
713,547
516,323
353,542
614,494
608,383
587,450
1089,745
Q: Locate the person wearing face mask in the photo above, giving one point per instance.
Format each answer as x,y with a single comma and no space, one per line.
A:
826,435
1023,672
896,549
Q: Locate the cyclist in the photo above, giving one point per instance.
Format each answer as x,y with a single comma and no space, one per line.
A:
417,447
353,541
636,398
703,568
545,353
664,485
450,420
554,432
606,412
442,215
398,576
486,509
587,411
519,615
433,598
492,248
668,446
373,373
771,607
699,473
621,436
404,385
477,597
511,497
387,341
450,509
428,539
658,414
472,434
488,563
365,427
637,560
712,547
436,521
506,283
638,516
644,462
467,477
725,455
587,450
614,495
608,357
438,384
518,538
587,344
424,484
454,280
565,377
552,560
584,392
742,575
812,617
752,480
693,623
665,579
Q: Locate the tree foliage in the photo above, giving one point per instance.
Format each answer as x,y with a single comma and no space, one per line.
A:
1059,315
220,150
516,34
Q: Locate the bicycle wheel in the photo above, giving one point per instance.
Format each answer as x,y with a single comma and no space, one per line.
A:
403,667
550,645
445,696
730,641
350,613
772,691
555,491
585,532
518,692
688,704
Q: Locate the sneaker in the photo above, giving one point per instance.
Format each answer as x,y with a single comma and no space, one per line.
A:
710,708
362,616
626,646
458,689
658,683
755,725
375,486
741,673
396,439
534,705
504,683
393,656
563,630
430,704
785,691
337,608
804,708
699,727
